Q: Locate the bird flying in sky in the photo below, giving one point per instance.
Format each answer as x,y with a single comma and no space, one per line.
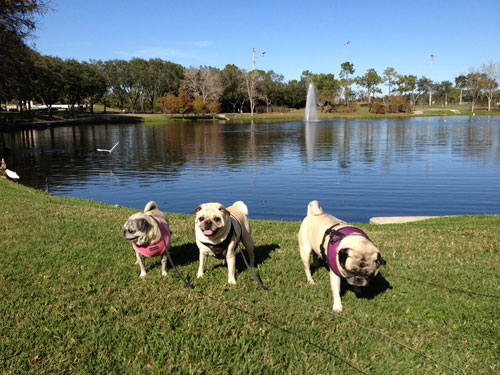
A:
347,43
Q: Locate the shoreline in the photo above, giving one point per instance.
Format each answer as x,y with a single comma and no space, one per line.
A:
120,118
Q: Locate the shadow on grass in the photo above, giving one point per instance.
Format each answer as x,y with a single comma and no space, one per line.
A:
261,254
184,254
376,286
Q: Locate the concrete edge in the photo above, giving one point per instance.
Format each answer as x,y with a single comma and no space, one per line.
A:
399,219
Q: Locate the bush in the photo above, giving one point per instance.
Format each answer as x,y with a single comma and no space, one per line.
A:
340,108
376,107
399,105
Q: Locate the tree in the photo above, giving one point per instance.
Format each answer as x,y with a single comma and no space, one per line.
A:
407,85
73,82
424,85
252,79
370,81
233,92
199,106
443,90
294,94
94,83
491,72
346,69
214,108
461,83
49,81
475,82
327,88
269,87
389,76
17,22
203,81
133,80
160,78
183,103
169,104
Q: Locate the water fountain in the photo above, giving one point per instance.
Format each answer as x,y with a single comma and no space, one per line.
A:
311,113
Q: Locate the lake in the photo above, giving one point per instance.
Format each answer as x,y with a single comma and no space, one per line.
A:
357,169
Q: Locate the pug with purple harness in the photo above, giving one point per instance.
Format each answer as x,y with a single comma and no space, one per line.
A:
347,250
149,234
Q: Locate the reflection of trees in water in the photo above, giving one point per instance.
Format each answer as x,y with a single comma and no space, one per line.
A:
167,150
347,142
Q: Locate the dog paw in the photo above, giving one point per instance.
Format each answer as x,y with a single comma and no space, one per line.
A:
164,273
311,282
337,308
142,274
199,274
232,281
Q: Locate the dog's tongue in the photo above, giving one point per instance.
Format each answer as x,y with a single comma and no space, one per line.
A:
208,232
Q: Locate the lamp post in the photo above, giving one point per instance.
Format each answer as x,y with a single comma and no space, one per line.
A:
431,58
261,54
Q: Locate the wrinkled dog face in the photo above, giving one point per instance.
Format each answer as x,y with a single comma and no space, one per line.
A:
210,218
137,229
360,260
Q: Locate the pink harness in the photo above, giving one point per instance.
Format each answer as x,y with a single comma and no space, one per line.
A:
157,248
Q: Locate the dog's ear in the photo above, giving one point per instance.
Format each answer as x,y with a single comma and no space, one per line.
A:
380,261
196,209
142,225
224,210
343,255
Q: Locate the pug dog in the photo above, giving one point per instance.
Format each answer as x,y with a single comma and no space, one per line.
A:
218,232
350,255
149,234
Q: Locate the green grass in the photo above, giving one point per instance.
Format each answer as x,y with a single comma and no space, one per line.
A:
73,302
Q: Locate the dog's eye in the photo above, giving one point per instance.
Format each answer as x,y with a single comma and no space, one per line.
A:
130,231
217,219
201,218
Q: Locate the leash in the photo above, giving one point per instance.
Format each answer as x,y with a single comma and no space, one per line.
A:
257,279
261,285
186,283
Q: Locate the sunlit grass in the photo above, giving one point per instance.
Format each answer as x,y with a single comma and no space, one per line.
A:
73,302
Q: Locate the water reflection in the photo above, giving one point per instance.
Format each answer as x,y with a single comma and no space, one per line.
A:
356,168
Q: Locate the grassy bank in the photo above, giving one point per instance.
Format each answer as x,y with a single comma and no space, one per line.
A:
114,115
72,300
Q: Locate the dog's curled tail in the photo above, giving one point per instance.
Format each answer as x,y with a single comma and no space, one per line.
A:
313,208
242,206
150,206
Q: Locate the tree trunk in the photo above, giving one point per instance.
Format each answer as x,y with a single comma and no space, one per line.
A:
461,96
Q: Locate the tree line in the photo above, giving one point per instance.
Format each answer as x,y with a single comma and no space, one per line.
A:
140,85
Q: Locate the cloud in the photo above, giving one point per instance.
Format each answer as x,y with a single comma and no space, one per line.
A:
154,52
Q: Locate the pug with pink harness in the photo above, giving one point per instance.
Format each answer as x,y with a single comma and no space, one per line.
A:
149,234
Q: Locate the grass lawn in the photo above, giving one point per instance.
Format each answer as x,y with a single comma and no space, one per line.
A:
73,302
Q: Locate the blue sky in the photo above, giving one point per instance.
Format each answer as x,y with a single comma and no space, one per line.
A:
296,35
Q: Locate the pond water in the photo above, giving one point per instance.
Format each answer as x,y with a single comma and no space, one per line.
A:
357,169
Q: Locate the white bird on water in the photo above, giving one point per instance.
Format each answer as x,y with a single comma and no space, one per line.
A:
110,150
12,175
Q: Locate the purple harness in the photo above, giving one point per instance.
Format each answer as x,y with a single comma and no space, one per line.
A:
335,237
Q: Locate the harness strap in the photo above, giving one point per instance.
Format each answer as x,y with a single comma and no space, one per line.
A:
337,235
328,232
220,250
